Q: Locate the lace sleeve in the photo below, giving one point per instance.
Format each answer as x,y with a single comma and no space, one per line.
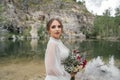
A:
51,60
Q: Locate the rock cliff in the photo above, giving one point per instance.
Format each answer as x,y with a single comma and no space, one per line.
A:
25,14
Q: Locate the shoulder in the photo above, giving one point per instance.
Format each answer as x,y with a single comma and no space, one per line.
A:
51,44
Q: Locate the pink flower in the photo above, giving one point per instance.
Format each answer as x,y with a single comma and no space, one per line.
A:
78,57
74,62
84,63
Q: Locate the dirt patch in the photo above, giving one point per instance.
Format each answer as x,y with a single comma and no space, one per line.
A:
32,70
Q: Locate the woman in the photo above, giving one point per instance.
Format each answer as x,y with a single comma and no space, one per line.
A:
55,52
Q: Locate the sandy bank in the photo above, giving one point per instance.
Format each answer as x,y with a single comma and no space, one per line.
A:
33,70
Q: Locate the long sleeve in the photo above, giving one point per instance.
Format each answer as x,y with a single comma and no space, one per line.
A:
51,60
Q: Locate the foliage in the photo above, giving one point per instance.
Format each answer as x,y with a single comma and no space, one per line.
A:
81,2
67,0
41,31
107,26
74,62
117,21
2,18
117,11
26,31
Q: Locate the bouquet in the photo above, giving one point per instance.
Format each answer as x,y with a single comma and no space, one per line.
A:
74,63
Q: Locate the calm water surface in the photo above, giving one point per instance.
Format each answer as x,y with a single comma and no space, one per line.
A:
35,49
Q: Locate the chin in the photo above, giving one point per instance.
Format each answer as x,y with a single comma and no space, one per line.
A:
57,37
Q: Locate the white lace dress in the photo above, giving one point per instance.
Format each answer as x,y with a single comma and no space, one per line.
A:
55,53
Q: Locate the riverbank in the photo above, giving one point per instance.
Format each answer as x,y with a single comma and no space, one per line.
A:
33,70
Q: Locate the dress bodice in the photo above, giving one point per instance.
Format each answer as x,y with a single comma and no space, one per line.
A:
62,50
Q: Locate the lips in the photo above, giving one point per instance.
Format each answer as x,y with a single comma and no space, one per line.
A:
57,32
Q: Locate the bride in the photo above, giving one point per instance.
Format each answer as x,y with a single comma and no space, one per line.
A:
55,52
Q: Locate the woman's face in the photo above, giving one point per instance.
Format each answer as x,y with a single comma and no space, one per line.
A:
55,30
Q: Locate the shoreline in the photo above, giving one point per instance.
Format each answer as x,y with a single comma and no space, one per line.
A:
33,70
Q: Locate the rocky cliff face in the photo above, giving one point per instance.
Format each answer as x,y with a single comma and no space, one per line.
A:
22,14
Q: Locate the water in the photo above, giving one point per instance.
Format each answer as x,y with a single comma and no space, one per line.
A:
103,56
97,69
22,49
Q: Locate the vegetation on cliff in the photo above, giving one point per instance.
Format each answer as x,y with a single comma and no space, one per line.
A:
107,27
29,17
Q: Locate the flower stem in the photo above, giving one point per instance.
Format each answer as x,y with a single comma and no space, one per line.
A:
72,78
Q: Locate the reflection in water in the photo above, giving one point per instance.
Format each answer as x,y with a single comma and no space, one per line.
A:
73,43
27,48
34,43
97,69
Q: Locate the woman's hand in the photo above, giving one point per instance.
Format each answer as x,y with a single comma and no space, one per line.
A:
73,74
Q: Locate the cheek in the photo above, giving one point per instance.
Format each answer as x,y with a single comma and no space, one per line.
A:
51,31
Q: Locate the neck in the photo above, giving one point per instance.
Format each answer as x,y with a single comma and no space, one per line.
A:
55,38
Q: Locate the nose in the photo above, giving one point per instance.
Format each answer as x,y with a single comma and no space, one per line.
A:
57,28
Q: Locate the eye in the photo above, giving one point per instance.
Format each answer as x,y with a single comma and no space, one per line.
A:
59,26
53,27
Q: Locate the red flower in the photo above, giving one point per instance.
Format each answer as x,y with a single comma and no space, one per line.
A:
78,57
84,63
75,51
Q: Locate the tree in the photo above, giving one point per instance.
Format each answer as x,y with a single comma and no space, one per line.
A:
104,25
117,11
117,21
